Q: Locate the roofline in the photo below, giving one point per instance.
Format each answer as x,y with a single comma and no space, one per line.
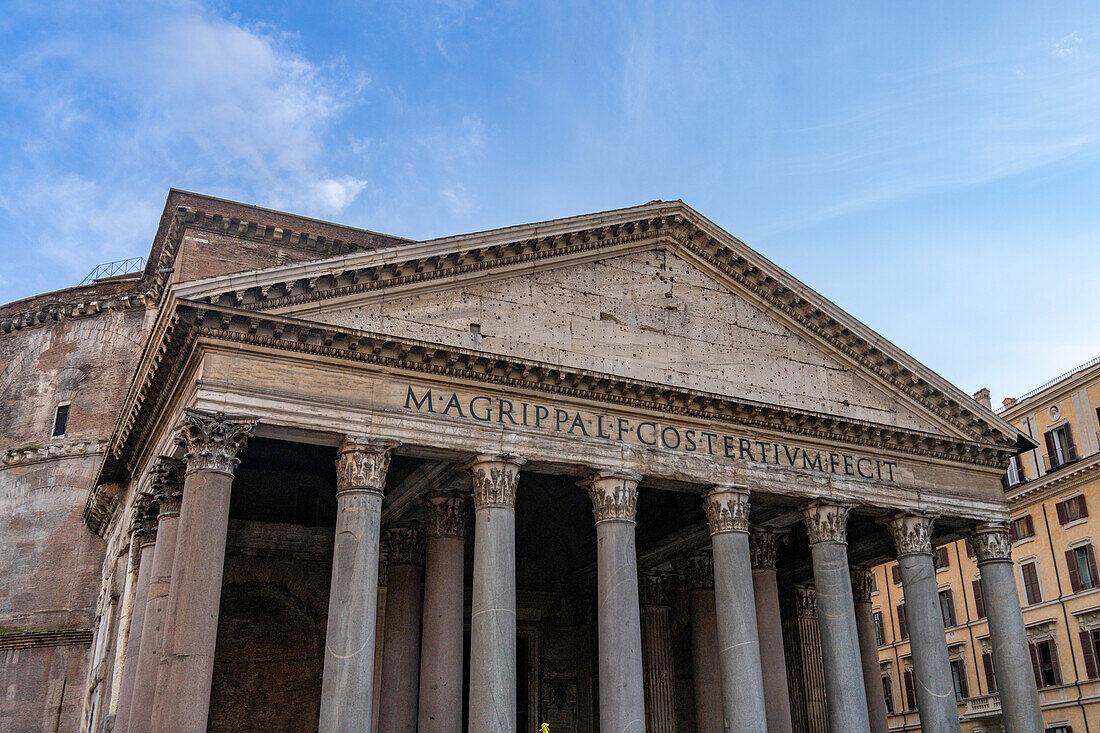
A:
1041,393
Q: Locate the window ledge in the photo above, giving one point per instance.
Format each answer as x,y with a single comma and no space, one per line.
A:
1023,541
1075,522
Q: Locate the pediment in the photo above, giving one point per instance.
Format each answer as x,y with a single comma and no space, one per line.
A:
654,293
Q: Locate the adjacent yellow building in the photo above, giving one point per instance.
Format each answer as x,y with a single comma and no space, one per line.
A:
1055,495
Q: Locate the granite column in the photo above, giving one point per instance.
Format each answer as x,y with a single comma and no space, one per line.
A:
401,640
1011,659
826,525
924,620
657,666
445,515
698,574
347,685
211,442
863,584
614,496
769,628
494,479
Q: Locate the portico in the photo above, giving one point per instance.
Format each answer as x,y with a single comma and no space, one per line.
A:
584,522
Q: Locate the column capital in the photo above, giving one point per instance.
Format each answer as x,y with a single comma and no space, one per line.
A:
827,521
912,533
212,440
166,483
404,544
143,523
495,478
763,544
863,584
696,570
614,495
362,463
445,513
727,508
654,588
805,597
991,542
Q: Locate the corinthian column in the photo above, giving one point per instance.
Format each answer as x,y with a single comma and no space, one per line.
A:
931,667
347,688
658,670
763,543
167,485
698,573
826,525
211,442
863,584
1011,660
495,479
401,643
727,509
143,537
445,515
614,496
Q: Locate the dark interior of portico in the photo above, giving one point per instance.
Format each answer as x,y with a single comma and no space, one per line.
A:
278,564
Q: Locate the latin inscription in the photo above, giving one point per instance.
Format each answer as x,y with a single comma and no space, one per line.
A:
650,433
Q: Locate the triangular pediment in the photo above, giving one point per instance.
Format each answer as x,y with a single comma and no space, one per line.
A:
649,315
655,293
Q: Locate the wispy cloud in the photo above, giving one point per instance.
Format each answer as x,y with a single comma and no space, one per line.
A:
1070,45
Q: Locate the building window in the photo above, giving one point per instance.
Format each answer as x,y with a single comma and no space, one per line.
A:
958,678
1021,528
1060,449
1090,646
888,694
969,549
1015,475
1059,729
895,574
979,599
903,631
940,558
947,608
1082,568
990,672
880,634
910,693
60,420
1032,590
1072,509
1044,663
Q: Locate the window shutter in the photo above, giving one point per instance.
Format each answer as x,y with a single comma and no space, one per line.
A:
903,631
1074,573
1092,565
1012,531
1035,665
1052,453
964,689
945,559
1031,584
1089,650
1029,526
895,574
979,599
950,607
1071,448
1054,662
910,695
990,675
969,549
1062,516
1084,505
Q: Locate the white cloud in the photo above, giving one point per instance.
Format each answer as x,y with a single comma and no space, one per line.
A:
1069,46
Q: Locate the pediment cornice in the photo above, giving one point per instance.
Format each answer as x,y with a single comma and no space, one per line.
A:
672,225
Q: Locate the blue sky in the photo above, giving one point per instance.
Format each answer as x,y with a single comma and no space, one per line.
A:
932,167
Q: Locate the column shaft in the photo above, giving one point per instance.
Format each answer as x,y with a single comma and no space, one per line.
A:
836,618
769,627
182,703
924,620
658,669
698,574
401,643
168,484
493,606
347,687
727,510
862,582
1011,659
441,653
614,497
145,544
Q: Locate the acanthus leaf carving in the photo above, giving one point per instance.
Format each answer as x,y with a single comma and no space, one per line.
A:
362,463
991,542
212,440
445,513
614,495
827,521
912,533
495,479
727,509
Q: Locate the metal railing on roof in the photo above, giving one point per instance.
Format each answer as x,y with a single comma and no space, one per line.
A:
111,269
1051,383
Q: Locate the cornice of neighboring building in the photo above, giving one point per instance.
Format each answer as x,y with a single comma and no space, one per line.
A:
1062,479
1054,391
